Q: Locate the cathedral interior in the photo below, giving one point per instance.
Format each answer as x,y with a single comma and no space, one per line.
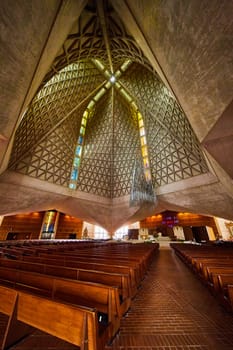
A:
112,111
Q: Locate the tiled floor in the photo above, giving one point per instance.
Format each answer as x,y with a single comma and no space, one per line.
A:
171,311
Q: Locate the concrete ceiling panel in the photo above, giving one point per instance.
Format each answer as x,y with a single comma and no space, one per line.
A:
192,42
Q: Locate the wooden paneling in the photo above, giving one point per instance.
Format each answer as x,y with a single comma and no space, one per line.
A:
22,226
68,225
28,226
183,219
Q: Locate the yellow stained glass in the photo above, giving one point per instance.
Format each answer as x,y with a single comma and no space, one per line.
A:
141,123
85,114
142,131
126,95
144,151
146,162
84,122
139,116
78,152
100,94
133,104
91,104
143,141
147,174
82,130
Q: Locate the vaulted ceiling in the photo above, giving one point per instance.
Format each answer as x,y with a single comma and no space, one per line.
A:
102,100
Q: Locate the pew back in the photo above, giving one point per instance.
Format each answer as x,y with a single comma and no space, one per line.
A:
105,299
73,324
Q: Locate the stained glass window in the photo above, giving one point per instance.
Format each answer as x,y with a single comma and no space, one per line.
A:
74,174
144,149
76,162
72,186
82,130
142,131
78,150
78,153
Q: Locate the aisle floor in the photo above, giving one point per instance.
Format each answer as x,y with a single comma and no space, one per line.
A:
172,310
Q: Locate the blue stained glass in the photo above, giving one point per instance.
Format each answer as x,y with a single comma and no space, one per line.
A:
76,162
73,186
80,140
82,130
78,150
74,174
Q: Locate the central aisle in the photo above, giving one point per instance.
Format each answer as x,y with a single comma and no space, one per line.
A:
173,310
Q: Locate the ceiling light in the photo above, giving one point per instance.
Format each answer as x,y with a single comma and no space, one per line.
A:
112,79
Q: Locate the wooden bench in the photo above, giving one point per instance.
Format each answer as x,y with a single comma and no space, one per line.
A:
121,281
97,266
105,299
230,295
73,324
210,270
136,260
200,263
100,260
127,259
221,283
224,279
188,252
214,265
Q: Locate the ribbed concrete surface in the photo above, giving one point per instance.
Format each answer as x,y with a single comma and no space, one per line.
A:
172,310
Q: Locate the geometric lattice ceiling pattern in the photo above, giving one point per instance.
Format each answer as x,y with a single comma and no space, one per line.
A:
45,141
100,34
174,150
111,145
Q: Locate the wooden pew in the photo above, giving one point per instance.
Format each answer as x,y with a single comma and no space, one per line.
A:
141,254
220,283
127,258
105,299
187,252
230,295
121,281
224,279
73,324
210,270
200,263
134,259
35,246
100,260
97,266
221,290
214,265
134,270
